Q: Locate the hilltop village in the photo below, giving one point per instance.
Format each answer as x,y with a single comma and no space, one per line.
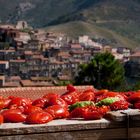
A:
34,57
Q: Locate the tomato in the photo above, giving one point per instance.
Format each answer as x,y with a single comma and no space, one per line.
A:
137,105
14,106
119,105
92,115
71,88
13,115
30,109
4,103
87,95
40,117
1,119
77,112
40,102
57,101
19,101
101,92
57,111
50,95
103,110
134,97
70,97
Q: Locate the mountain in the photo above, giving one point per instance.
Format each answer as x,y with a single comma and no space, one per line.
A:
114,20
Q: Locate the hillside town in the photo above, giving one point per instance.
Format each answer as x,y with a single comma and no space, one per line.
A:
33,57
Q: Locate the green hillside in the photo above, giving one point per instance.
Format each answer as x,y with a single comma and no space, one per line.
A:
78,28
117,20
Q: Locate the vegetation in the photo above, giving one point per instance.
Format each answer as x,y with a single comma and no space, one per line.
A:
103,72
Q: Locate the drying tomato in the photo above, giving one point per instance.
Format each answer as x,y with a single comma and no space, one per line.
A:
101,92
119,105
40,102
13,115
137,105
1,119
57,111
56,101
19,101
4,103
71,88
71,97
77,112
92,114
50,95
103,110
87,95
40,117
30,109
134,97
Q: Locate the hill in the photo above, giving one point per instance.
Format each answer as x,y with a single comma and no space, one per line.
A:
117,20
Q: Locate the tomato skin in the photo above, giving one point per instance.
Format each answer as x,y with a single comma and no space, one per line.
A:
50,95
101,92
19,101
39,102
92,115
103,110
137,105
1,119
57,111
134,97
87,95
70,97
70,88
78,112
40,117
4,103
119,105
57,101
13,116
30,109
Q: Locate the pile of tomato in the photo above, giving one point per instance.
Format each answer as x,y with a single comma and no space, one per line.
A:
89,105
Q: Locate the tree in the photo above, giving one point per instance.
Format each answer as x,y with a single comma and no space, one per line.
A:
103,71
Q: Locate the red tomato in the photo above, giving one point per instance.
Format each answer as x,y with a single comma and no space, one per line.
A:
39,118
31,109
20,101
134,97
101,92
1,119
103,110
21,108
50,95
71,88
40,102
137,105
92,115
119,105
70,97
13,115
87,95
56,101
57,111
78,112
4,103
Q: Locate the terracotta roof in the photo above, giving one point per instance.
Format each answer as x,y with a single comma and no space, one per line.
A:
137,54
15,78
28,53
12,84
2,77
29,83
3,62
18,61
76,46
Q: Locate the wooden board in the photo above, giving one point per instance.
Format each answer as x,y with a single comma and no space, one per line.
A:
61,125
122,115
